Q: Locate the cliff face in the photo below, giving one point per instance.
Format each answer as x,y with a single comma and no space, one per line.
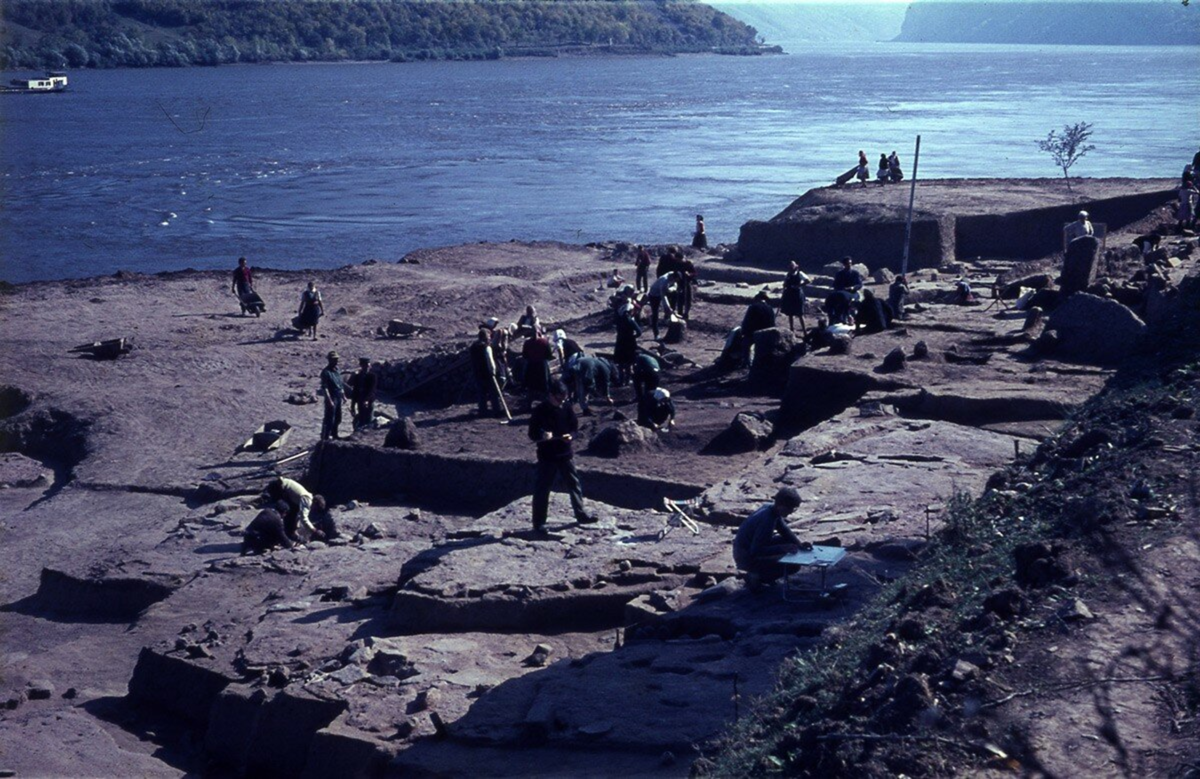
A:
1097,23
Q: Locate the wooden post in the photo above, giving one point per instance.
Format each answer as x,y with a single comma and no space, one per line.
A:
912,193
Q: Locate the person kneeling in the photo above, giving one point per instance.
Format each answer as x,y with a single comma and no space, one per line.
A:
764,537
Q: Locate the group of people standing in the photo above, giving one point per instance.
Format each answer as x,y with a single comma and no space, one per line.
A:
887,172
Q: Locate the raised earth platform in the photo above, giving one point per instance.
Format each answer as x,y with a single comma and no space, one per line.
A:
952,219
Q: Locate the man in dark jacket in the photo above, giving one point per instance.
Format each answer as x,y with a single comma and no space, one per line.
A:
593,378
646,372
483,368
552,426
266,531
362,393
759,316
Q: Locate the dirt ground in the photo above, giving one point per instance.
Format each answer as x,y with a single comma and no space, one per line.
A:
126,601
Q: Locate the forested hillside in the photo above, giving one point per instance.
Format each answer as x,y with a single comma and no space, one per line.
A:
146,33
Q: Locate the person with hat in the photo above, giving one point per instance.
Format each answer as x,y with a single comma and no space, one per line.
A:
552,426
656,410
1077,229
764,537
363,387
483,368
333,391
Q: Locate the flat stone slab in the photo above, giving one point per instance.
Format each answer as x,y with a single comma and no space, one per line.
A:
497,576
17,470
866,479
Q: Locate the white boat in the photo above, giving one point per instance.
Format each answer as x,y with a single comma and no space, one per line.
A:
47,84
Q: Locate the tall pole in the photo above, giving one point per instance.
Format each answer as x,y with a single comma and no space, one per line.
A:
912,193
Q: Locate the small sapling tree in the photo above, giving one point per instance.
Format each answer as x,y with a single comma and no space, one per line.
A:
1066,148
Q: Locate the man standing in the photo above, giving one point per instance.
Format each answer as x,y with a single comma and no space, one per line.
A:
333,390
483,368
764,537
362,394
552,426
243,282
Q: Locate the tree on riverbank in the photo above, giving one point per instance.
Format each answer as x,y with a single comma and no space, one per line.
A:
1067,148
173,33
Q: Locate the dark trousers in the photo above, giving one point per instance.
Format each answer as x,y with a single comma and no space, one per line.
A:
764,562
333,418
547,471
685,297
488,394
366,413
654,304
642,279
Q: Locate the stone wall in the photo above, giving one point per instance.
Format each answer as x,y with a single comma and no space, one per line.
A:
816,242
1032,234
344,471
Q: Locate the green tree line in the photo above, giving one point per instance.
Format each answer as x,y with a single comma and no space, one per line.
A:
174,33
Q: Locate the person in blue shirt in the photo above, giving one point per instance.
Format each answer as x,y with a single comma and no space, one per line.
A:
764,537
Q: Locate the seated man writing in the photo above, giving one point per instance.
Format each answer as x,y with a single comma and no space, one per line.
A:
764,537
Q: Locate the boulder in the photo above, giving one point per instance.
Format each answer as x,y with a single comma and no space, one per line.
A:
620,436
883,276
894,361
1012,290
749,432
1095,330
402,435
840,344
774,350
920,350
1079,265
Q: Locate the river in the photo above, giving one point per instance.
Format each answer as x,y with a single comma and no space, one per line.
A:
300,166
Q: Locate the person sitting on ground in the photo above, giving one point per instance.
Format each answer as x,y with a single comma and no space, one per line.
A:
841,304
759,316
1077,229
266,531
792,302
847,279
764,537
646,373
537,353
529,325
897,295
552,426
615,279
656,410
894,171
699,237
312,308
483,368
641,269
297,521
626,348
658,298
593,378
363,388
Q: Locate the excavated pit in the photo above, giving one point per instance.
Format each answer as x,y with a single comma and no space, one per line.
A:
438,636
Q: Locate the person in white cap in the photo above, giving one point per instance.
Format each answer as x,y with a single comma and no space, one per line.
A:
656,410
1077,229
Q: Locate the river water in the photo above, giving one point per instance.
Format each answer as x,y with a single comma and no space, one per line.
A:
301,166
